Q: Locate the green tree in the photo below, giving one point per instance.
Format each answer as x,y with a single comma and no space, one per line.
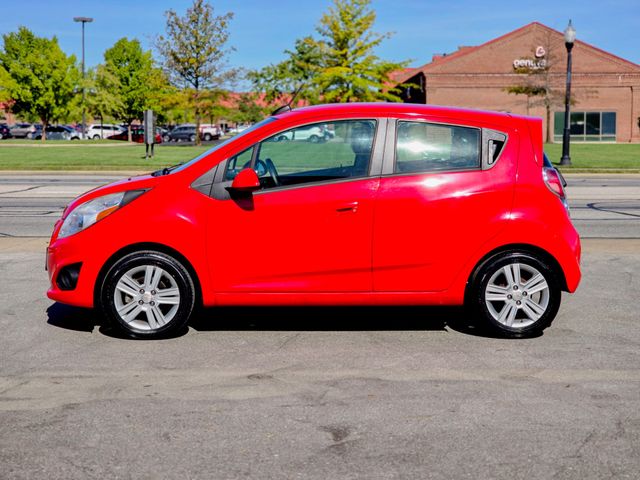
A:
351,71
43,78
247,110
340,66
293,77
7,84
194,51
102,100
135,80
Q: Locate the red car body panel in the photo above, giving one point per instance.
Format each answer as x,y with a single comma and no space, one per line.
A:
392,239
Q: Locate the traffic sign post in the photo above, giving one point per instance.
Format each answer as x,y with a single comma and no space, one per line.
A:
149,132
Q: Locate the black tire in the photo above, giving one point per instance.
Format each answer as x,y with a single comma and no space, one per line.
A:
96,137
174,275
314,139
192,138
207,137
516,296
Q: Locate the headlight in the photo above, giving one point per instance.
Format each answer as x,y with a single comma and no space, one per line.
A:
88,213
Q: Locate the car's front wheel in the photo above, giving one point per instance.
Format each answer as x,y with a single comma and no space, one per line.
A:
147,294
516,294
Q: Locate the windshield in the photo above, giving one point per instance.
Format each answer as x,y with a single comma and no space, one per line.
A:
222,144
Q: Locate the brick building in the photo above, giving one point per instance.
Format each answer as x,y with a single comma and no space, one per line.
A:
605,88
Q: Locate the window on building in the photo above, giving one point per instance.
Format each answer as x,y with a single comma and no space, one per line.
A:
587,126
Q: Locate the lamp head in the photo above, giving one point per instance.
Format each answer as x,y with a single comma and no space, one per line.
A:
569,34
83,19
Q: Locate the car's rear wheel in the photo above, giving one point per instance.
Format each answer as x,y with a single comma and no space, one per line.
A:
96,137
147,294
314,139
516,294
192,138
207,137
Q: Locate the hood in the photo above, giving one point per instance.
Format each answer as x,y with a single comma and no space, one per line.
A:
131,183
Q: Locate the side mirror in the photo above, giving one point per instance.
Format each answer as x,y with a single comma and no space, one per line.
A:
246,181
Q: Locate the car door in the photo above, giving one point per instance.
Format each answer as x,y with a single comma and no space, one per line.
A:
308,229
445,191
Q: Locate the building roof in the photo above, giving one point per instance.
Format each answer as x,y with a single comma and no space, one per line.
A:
441,62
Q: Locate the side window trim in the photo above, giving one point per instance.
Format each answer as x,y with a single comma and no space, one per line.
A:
489,140
376,162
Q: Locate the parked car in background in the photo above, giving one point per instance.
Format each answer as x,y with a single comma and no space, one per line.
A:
164,133
55,132
137,135
183,133
208,131
21,130
313,134
95,131
5,131
238,129
407,205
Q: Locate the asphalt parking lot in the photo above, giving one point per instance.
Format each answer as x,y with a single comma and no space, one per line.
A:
324,393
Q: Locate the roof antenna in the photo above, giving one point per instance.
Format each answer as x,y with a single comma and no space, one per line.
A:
287,107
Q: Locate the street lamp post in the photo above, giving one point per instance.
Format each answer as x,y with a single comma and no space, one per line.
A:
83,20
569,39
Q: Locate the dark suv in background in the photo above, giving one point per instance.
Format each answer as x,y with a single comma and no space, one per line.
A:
5,131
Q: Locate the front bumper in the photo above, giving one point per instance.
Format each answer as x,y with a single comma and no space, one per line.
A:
65,253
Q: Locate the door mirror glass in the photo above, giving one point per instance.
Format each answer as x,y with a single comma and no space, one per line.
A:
246,181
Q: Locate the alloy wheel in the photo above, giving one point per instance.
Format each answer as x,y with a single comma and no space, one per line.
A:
146,297
517,295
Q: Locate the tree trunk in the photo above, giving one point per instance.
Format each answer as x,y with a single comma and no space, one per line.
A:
548,129
197,102
129,131
44,129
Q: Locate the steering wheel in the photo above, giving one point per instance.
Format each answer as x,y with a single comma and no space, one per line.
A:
272,170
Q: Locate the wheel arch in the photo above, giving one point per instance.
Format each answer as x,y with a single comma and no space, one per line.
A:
138,247
519,248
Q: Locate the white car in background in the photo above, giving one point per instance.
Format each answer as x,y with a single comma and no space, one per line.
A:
208,131
95,131
312,134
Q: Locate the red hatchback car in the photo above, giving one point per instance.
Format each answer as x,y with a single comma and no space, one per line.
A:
403,205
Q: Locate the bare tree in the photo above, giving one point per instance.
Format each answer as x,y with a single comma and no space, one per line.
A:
538,83
194,49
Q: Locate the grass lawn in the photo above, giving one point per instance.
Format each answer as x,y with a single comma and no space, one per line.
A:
60,155
128,157
587,156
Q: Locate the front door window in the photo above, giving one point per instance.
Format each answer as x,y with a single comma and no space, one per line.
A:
319,152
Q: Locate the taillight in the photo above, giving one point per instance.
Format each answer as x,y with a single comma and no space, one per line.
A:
553,181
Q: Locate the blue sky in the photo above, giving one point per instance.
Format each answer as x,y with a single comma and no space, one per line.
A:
261,30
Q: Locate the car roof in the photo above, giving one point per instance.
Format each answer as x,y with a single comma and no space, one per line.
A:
390,109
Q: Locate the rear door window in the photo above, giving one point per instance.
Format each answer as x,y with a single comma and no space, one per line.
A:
429,147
